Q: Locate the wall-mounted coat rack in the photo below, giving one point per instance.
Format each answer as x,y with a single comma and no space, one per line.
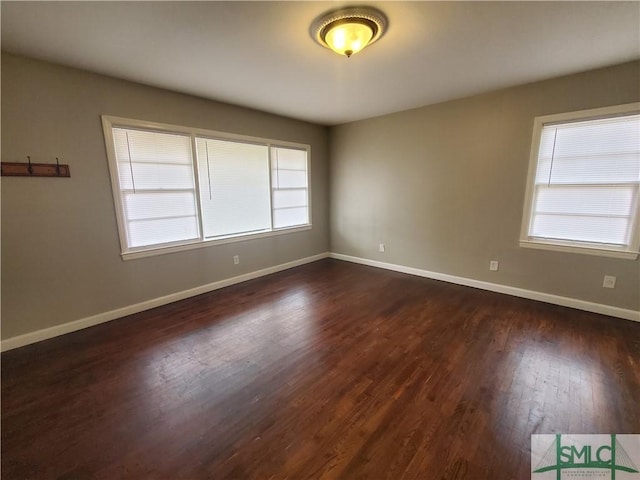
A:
14,169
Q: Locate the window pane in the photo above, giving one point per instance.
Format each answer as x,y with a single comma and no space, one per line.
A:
290,198
595,169
581,228
158,176
234,187
153,147
152,232
587,181
610,136
289,183
289,217
159,205
610,201
290,159
289,179
157,186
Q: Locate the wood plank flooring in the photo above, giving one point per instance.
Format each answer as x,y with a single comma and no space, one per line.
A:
327,371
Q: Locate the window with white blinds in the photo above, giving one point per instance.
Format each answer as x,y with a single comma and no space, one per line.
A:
156,186
584,182
289,185
234,187
176,187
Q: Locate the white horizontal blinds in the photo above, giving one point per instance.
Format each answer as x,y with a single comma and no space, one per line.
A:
587,180
157,186
234,187
290,189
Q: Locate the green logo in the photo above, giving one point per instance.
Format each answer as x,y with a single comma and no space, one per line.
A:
606,456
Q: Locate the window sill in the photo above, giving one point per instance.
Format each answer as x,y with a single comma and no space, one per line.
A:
152,251
574,248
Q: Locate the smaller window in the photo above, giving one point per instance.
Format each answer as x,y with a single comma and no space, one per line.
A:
583,185
157,188
289,187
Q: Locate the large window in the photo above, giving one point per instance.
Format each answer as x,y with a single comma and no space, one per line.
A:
177,188
584,179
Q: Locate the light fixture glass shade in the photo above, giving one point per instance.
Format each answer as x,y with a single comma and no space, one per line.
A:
348,38
348,30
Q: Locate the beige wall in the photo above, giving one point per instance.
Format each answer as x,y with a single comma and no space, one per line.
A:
60,251
443,187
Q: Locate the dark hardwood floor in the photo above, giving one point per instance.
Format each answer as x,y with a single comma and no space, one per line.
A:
327,371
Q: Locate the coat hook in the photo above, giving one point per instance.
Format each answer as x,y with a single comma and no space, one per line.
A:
31,169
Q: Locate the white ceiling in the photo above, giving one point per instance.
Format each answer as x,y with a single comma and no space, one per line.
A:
261,55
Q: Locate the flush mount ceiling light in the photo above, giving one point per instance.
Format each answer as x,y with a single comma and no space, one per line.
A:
348,30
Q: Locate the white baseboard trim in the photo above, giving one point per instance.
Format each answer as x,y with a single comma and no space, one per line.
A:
495,287
46,333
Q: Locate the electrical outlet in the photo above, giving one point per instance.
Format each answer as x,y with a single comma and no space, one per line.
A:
493,265
382,247
609,281
236,259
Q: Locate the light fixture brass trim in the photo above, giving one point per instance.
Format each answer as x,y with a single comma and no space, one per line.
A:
368,16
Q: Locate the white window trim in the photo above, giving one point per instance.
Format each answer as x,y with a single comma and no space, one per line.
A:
632,250
109,122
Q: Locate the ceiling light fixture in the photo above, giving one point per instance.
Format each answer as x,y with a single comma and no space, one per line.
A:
348,30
